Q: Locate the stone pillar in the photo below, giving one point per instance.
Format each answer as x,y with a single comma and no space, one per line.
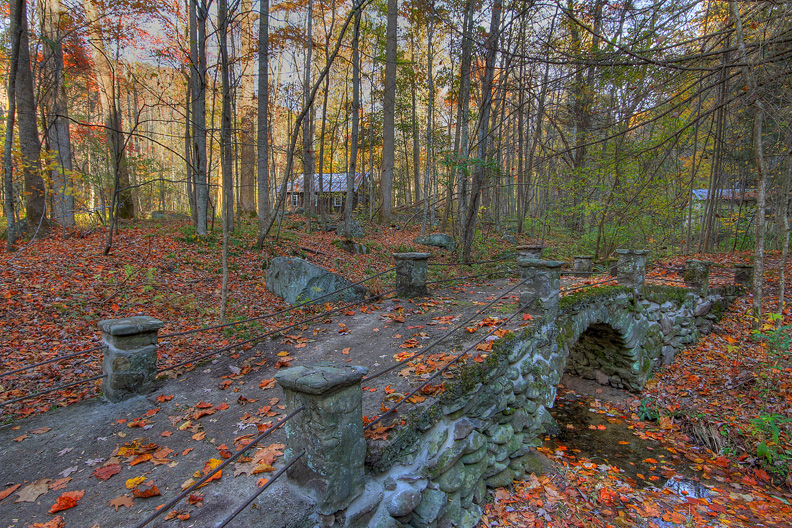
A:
411,273
329,429
130,356
697,275
542,288
532,251
631,268
744,275
582,265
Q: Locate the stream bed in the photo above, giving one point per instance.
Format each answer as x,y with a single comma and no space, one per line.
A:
588,430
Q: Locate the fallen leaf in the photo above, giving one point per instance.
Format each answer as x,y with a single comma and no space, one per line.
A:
8,491
67,500
195,499
33,491
267,383
122,500
59,483
57,522
144,491
134,482
40,430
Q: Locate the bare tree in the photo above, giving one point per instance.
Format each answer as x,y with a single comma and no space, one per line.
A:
263,116
35,200
122,205
480,170
57,113
758,152
389,112
199,12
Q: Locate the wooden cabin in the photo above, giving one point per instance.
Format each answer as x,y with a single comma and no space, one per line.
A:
333,192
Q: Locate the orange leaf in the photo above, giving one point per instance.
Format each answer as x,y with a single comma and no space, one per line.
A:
146,490
57,522
67,500
8,491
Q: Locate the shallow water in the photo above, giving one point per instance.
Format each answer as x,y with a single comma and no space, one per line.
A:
588,430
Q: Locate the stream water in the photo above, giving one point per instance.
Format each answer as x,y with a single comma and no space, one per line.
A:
588,430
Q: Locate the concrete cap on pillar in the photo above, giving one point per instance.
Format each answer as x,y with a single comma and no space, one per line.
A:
321,378
139,324
413,255
529,262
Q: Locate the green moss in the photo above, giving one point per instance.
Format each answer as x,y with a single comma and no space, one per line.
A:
660,293
587,295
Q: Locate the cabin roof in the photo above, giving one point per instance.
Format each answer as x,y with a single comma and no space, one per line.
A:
331,182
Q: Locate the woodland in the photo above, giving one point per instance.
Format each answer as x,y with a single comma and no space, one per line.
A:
153,153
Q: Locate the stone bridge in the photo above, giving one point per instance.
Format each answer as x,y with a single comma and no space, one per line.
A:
434,470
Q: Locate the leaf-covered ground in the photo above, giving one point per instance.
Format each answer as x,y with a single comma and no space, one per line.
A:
53,293
720,421
720,414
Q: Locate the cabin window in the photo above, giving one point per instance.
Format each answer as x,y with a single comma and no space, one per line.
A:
337,200
294,200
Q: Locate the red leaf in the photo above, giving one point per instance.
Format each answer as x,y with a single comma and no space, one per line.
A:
105,472
67,500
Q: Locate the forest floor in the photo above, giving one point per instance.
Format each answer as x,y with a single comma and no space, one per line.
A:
719,414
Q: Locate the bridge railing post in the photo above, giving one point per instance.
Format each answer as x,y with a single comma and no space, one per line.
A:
533,251
581,266
631,268
411,271
329,429
542,288
744,275
696,275
130,356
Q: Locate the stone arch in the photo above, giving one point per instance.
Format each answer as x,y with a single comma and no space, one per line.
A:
606,343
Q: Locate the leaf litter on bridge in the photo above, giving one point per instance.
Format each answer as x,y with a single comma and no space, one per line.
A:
134,456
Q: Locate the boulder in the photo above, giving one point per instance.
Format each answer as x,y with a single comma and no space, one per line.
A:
355,230
440,240
169,215
298,281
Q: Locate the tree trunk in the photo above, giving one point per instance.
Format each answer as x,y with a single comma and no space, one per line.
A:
786,228
226,153
429,172
462,113
758,148
35,199
109,101
246,103
15,32
416,139
389,113
479,174
54,99
353,151
263,116
309,160
198,16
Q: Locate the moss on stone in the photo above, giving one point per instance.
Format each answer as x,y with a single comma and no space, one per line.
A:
587,295
660,293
